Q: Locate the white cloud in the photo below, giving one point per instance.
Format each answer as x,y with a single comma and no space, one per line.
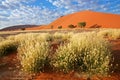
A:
13,12
78,5
28,15
9,4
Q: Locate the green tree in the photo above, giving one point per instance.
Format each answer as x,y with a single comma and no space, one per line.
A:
82,24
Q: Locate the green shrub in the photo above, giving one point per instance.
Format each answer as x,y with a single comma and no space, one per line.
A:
82,24
18,38
52,27
58,35
110,33
85,53
7,47
62,36
34,50
23,29
1,38
21,37
45,37
71,26
33,54
59,27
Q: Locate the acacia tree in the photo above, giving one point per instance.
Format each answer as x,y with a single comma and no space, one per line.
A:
82,24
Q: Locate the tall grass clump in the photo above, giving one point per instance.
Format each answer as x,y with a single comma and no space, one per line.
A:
7,47
85,53
39,36
62,36
110,33
33,54
1,38
20,37
45,37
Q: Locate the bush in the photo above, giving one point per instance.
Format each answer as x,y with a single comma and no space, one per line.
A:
45,37
71,26
23,29
62,36
110,33
21,37
85,53
18,38
58,35
1,38
33,54
82,24
52,27
7,47
59,27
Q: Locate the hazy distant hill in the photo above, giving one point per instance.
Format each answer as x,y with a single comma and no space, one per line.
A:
18,27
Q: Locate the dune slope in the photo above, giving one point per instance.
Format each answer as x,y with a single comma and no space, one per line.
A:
104,20
92,19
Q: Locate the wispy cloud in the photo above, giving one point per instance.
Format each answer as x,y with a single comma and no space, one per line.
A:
14,12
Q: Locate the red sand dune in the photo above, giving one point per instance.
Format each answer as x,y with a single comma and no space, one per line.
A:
105,20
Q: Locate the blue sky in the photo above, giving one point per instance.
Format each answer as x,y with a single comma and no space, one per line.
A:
17,12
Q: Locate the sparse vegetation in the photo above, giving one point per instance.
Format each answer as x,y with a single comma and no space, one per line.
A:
59,27
62,36
23,29
82,24
84,52
71,26
87,54
1,39
7,47
110,33
52,26
33,54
